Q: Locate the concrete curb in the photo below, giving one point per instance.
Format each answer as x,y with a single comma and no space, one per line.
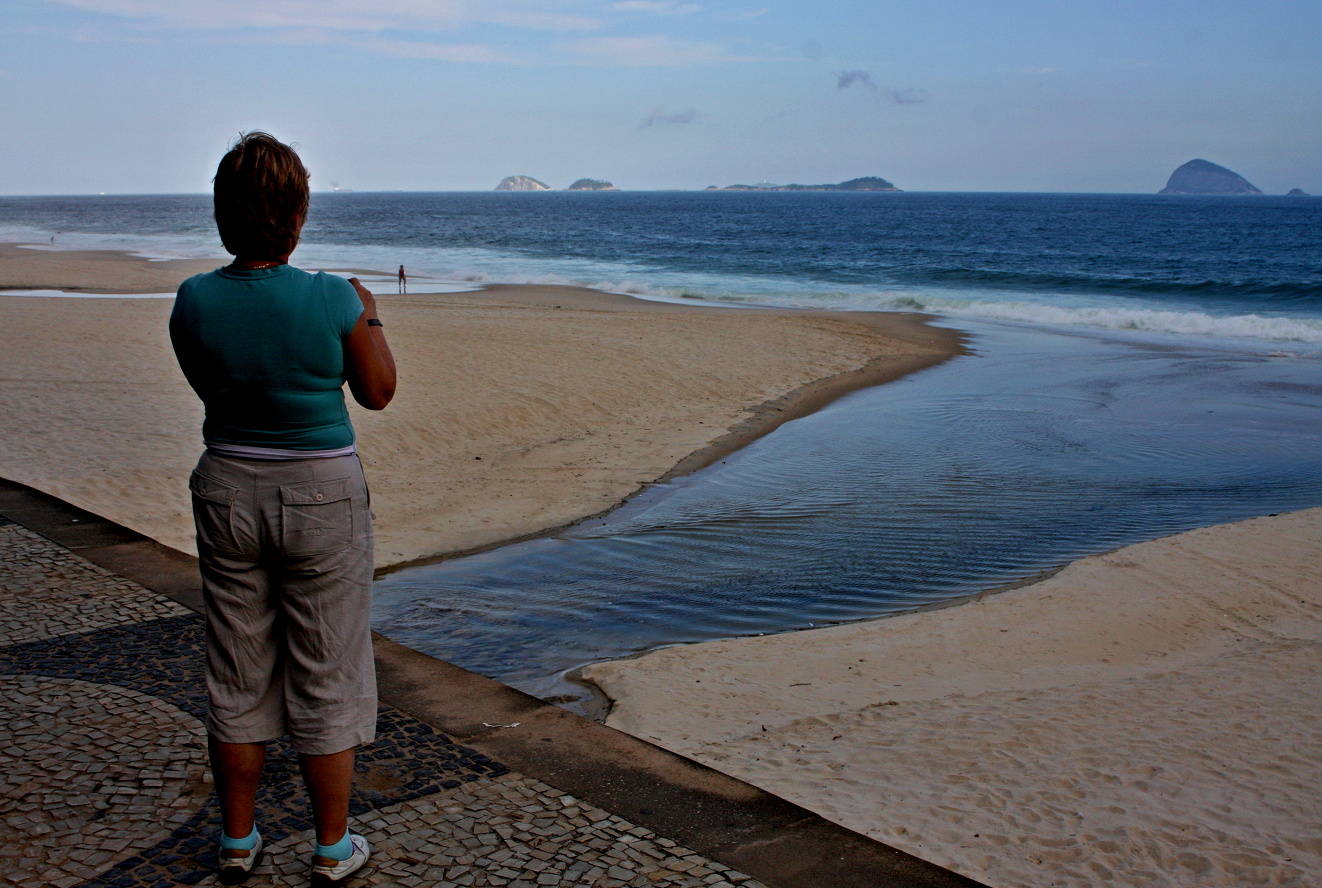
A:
730,821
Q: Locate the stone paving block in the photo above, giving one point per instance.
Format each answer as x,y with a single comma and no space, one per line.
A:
46,591
103,779
32,765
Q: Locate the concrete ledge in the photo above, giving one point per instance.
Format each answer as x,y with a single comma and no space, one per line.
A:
728,820
108,545
725,819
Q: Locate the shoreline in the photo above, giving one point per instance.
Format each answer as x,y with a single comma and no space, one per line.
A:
578,400
1143,710
763,418
1147,710
98,272
600,705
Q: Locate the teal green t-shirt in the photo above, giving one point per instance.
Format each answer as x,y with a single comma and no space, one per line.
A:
264,350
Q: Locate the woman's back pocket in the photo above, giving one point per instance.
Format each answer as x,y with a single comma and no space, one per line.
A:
316,517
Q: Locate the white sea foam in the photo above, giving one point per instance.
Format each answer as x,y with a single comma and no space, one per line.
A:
154,247
63,294
1249,327
449,269
1135,319
1147,320
417,286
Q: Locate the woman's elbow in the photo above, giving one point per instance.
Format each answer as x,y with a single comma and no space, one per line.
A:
374,397
377,401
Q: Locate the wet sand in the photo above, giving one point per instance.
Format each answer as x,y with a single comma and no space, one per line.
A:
1144,717
520,408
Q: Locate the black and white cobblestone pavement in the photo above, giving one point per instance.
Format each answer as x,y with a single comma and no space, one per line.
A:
103,778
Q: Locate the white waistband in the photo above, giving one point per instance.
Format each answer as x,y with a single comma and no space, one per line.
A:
244,451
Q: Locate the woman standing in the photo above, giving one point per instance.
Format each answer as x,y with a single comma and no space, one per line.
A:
284,532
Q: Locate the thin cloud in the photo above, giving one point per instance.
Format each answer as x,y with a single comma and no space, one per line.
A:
339,15
658,7
662,117
846,79
1129,64
658,51
442,52
910,96
408,49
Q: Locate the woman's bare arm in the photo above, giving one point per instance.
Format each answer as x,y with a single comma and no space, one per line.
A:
368,363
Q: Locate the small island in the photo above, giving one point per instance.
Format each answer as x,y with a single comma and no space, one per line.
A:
1200,176
522,183
1297,192
865,183
592,185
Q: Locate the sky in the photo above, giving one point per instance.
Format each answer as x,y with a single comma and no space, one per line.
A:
143,96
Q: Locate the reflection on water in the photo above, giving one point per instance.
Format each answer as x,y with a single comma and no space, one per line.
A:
1039,449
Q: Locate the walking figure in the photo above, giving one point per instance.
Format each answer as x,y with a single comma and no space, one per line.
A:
403,280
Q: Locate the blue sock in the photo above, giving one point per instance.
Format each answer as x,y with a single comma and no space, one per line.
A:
341,850
239,844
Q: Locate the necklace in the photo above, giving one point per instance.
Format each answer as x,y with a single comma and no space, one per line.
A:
256,266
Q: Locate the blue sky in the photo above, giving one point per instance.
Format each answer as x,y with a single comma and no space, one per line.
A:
144,95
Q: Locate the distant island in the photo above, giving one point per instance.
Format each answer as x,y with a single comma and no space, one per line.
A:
1204,177
866,183
592,185
521,183
1297,192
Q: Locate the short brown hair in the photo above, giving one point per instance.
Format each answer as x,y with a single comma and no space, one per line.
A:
261,197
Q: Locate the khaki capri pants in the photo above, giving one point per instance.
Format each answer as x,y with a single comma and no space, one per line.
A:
286,556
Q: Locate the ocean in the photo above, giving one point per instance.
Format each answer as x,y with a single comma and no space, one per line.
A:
1231,267
1141,365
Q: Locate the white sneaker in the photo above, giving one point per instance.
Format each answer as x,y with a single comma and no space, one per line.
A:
327,871
236,864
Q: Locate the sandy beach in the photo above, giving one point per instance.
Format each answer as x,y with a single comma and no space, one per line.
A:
1144,717
520,408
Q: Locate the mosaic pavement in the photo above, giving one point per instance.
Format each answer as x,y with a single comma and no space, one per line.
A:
103,778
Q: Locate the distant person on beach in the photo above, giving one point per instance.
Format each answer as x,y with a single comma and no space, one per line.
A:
284,533
403,280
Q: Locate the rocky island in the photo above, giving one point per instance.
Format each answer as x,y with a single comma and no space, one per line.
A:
1204,177
1297,192
866,183
592,185
521,183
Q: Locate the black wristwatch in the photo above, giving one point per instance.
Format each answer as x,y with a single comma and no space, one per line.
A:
374,322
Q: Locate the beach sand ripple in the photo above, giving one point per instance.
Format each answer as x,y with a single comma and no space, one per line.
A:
1073,786
519,409
1144,717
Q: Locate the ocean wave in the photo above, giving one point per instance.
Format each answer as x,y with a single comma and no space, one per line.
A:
1143,320
1136,312
1032,281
